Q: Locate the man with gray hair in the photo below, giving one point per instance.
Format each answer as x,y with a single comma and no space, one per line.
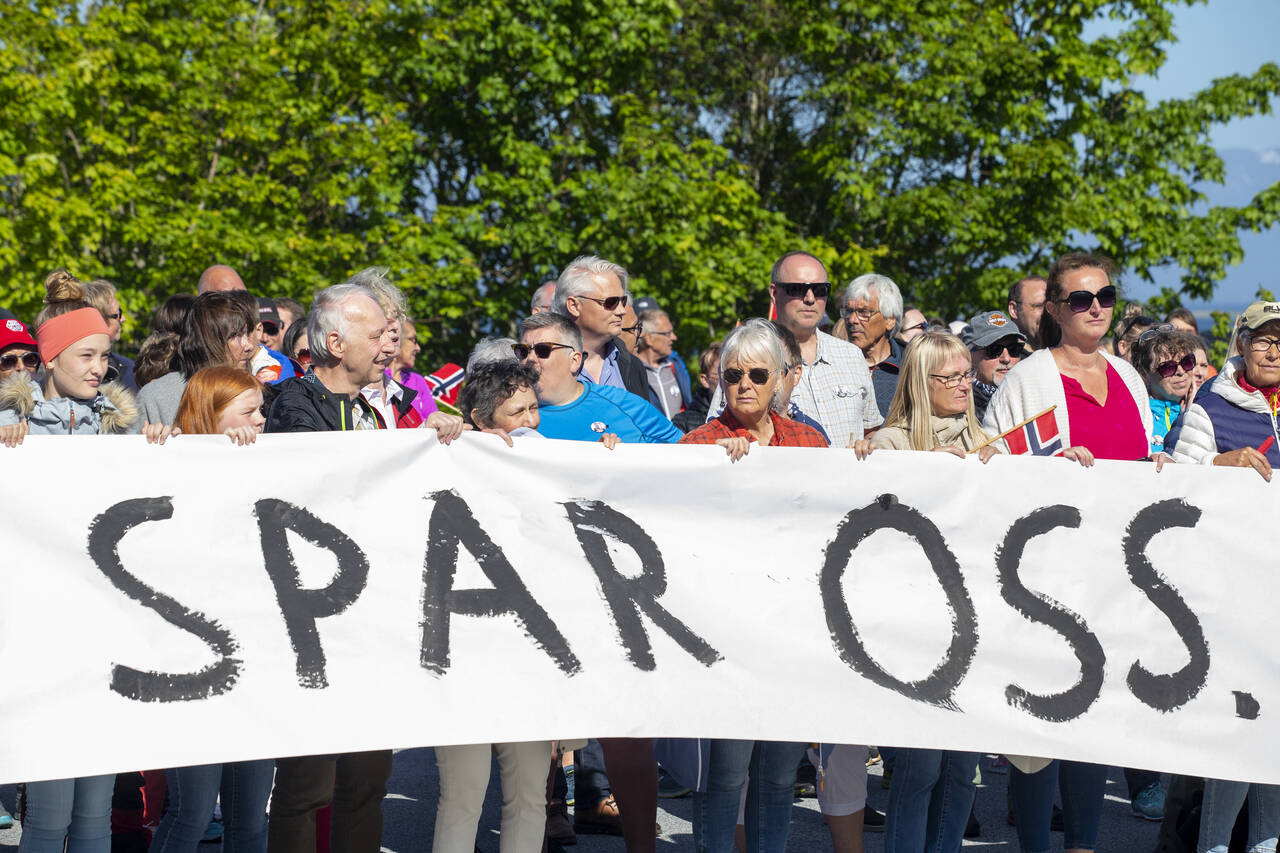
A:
543,297
872,311
592,292
655,349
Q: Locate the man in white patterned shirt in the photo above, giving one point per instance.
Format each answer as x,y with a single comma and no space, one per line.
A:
835,386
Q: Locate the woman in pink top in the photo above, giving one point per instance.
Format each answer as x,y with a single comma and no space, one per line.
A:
1102,412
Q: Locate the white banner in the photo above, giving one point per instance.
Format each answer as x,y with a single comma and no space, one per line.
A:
199,602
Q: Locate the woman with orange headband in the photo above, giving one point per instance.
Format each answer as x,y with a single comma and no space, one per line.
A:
73,342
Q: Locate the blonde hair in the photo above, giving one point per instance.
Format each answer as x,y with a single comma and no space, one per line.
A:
99,293
911,410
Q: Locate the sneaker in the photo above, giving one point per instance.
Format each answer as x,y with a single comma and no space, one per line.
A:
1148,804
872,820
602,820
559,827
6,820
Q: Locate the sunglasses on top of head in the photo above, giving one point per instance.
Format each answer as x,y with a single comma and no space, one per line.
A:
29,361
797,289
1080,301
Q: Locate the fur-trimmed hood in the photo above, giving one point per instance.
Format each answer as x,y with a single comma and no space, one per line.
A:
114,410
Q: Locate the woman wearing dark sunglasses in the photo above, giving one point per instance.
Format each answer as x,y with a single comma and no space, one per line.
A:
1102,411
1166,358
751,367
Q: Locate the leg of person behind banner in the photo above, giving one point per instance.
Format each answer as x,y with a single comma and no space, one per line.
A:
245,788
522,767
464,777
303,785
357,801
193,792
633,772
770,793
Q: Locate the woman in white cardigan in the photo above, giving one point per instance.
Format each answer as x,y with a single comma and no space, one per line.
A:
1102,412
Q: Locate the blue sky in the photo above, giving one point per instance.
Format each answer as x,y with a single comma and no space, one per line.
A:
1215,39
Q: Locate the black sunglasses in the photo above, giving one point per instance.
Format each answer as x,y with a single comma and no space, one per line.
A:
30,360
1168,368
609,303
757,375
637,328
1015,349
542,350
797,289
1080,301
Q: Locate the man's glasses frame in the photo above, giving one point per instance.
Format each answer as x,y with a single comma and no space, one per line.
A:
29,360
797,289
542,350
608,303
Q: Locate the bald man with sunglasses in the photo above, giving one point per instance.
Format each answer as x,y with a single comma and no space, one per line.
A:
835,386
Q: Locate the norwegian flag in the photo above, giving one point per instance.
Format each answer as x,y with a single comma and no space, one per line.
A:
1038,436
446,382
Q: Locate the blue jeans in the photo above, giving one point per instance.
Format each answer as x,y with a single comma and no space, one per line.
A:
77,810
930,796
772,767
244,785
1082,790
1222,801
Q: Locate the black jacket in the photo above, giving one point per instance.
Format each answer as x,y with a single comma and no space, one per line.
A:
635,378
303,404
695,414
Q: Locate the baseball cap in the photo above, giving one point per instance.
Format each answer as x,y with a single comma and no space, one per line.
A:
987,328
267,312
13,332
645,303
1258,314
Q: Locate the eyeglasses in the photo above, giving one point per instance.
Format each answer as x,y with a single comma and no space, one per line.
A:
1168,368
952,380
119,315
1080,301
1148,334
923,326
303,356
542,350
1263,344
30,361
757,375
637,329
667,334
1015,349
270,328
863,314
797,289
609,303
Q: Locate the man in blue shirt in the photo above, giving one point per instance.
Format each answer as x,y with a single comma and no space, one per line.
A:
574,409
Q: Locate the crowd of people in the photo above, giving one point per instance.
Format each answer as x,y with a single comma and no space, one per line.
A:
593,364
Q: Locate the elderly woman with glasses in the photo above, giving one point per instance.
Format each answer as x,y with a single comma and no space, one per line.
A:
1233,423
1165,358
752,363
1102,411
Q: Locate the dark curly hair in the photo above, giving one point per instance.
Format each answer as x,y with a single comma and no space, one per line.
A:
489,386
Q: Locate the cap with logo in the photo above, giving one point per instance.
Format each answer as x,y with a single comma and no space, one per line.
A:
1258,314
267,312
989,327
14,333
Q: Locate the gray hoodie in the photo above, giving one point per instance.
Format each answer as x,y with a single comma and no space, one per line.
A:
113,410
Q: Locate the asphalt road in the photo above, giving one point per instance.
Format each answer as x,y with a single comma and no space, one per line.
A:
410,816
